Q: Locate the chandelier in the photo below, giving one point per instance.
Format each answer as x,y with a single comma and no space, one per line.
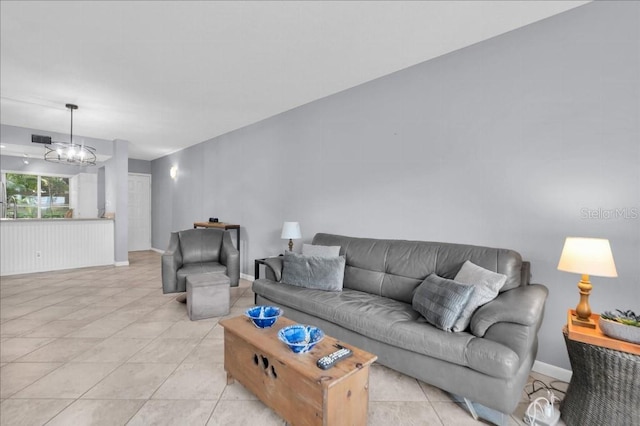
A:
69,152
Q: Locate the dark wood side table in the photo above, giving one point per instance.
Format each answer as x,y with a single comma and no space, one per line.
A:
220,225
256,272
256,267
606,375
257,263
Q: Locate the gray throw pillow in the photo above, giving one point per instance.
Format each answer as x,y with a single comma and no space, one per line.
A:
320,273
487,285
322,251
441,301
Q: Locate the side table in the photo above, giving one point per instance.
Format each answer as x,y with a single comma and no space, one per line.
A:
257,263
256,272
604,384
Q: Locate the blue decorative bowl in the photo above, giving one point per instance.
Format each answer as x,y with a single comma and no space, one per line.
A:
300,338
263,316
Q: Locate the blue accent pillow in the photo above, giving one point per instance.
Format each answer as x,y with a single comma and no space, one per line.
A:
441,301
320,273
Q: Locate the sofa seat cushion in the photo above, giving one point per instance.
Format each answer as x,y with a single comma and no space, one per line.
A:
394,323
198,268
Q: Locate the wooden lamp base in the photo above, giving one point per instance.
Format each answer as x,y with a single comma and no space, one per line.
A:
582,317
589,323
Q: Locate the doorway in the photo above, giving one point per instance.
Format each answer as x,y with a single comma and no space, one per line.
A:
139,212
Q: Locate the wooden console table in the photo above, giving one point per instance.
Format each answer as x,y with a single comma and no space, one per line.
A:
220,225
604,383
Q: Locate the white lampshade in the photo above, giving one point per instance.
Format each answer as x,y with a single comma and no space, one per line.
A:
591,256
291,230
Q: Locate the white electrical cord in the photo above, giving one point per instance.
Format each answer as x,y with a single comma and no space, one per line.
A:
540,412
534,408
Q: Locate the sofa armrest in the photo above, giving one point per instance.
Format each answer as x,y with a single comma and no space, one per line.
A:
522,305
275,264
171,262
230,257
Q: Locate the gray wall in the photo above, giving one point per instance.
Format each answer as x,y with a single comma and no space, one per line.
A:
102,200
139,166
116,175
504,144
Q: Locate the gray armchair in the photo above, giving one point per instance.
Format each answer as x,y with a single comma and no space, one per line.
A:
198,251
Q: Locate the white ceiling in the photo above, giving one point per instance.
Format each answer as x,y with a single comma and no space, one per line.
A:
166,75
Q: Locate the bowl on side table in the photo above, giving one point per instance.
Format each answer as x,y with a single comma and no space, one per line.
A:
620,331
622,325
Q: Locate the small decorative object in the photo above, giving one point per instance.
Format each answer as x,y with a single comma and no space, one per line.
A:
263,316
300,338
586,256
623,325
291,231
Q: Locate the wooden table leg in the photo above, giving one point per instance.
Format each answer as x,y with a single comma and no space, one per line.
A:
230,379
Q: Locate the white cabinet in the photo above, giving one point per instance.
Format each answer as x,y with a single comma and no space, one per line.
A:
83,195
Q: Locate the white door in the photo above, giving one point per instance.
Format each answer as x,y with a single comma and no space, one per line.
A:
139,212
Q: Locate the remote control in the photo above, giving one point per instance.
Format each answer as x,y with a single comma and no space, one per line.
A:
326,362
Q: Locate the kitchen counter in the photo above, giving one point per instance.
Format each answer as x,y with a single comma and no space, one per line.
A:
55,219
38,245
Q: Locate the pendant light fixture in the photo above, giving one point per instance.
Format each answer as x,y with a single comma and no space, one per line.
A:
70,152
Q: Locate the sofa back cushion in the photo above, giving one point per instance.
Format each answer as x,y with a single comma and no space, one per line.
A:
394,268
200,245
316,272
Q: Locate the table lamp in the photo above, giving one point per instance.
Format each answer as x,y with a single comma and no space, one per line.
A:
291,231
586,256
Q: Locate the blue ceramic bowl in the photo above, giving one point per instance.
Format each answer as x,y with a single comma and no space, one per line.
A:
300,338
263,316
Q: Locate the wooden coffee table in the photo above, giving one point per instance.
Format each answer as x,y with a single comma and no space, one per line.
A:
291,384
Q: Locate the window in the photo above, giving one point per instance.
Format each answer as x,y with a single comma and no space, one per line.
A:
37,196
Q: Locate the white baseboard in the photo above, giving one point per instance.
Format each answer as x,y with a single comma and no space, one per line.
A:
157,250
247,277
552,371
125,263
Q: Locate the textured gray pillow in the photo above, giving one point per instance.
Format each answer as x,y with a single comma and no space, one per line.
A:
441,301
320,273
487,284
322,251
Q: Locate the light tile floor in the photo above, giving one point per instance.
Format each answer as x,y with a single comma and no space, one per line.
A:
104,346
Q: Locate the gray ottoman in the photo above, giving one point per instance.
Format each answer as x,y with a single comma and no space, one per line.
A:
207,296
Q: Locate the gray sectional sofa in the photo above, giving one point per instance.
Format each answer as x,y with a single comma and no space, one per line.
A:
486,365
